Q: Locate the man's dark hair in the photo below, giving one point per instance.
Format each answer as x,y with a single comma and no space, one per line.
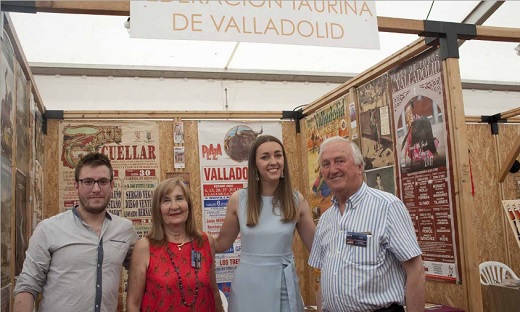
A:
93,159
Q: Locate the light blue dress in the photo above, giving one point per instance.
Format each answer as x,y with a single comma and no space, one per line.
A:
266,278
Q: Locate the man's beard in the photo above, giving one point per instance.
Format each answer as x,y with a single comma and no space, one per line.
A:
93,210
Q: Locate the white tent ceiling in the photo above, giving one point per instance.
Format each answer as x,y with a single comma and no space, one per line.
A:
93,41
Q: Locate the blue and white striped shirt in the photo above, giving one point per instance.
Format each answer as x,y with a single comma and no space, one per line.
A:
355,278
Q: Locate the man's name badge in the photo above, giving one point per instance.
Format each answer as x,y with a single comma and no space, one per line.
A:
357,239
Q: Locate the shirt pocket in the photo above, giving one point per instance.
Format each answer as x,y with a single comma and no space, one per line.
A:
371,254
115,250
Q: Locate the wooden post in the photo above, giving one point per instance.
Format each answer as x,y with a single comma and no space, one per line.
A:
510,159
503,214
462,186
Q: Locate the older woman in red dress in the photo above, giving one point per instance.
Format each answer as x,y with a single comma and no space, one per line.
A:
172,268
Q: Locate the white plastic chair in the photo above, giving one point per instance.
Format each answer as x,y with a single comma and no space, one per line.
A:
224,300
493,272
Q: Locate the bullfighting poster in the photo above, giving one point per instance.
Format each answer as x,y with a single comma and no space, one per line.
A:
223,151
418,104
7,89
331,120
39,137
133,149
23,221
38,142
38,194
22,122
179,158
376,137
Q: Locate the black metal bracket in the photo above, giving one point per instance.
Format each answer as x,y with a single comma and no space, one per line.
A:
493,120
50,114
18,6
447,34
297,115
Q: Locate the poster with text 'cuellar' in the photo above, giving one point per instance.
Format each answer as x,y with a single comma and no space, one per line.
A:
422,152
133,150
223,151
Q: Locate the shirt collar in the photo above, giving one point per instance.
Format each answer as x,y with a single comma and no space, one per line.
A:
354,199
76,213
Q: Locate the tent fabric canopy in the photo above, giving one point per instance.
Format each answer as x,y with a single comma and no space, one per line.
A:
96,40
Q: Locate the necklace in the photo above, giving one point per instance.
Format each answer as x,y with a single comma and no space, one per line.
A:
179,245
176,268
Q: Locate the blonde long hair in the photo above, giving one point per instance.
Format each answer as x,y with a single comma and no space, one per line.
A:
157,235
284,198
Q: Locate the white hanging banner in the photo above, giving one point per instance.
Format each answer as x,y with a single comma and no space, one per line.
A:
346,24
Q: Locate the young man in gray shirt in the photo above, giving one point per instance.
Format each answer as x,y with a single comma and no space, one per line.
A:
74,259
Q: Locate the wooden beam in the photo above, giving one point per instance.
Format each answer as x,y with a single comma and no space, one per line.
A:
20,56
510,113
474,119
478,119
85,7
490,33
400,25
385,24
510,159
195,115
395,59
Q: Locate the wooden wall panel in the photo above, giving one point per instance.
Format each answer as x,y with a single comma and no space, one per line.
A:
292,143
165,148
486,151
446,293
309,287
51,176
488,213
508,136
191,150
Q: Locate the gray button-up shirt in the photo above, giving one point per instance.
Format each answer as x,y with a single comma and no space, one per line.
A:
73,268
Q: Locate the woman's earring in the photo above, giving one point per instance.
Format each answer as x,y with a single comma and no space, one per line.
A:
257,178
282,176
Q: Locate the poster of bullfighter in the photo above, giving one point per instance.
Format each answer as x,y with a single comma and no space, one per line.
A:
376,138
421,145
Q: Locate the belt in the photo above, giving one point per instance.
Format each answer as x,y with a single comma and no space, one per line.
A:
393,308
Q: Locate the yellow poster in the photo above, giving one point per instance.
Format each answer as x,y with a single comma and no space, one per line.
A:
327,122
133,149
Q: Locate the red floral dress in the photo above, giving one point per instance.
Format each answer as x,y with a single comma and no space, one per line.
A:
162,291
